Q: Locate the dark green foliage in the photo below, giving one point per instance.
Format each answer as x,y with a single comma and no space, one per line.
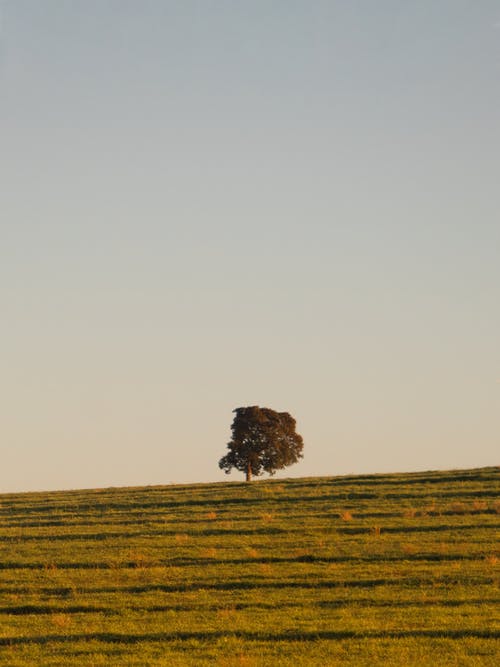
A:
263,441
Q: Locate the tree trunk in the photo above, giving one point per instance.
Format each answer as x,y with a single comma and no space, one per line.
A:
249,472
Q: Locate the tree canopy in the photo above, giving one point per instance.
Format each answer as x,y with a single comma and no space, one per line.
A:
263,440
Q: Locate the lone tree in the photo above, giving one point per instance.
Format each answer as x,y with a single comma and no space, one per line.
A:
263,441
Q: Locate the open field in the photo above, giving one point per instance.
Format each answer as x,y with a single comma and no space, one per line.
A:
396,569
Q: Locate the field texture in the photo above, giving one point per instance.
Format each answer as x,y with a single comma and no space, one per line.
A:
393,569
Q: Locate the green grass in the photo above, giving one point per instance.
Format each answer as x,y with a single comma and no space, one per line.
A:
400,569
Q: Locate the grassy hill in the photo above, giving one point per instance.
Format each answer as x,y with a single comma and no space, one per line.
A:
400,569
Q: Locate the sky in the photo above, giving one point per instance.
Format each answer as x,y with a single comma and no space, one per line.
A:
207,205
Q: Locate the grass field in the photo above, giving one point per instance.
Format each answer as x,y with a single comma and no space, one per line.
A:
400,569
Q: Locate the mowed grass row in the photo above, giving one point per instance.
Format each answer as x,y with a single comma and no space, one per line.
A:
400,569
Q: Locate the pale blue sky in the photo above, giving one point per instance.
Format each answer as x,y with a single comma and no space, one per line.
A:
205,205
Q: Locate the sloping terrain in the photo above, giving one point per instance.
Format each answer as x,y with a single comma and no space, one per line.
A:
400,569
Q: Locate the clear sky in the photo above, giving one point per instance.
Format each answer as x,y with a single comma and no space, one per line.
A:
204,205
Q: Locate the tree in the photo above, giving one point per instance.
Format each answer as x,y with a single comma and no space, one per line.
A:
263,441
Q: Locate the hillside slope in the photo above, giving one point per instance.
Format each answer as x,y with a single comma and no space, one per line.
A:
395,569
